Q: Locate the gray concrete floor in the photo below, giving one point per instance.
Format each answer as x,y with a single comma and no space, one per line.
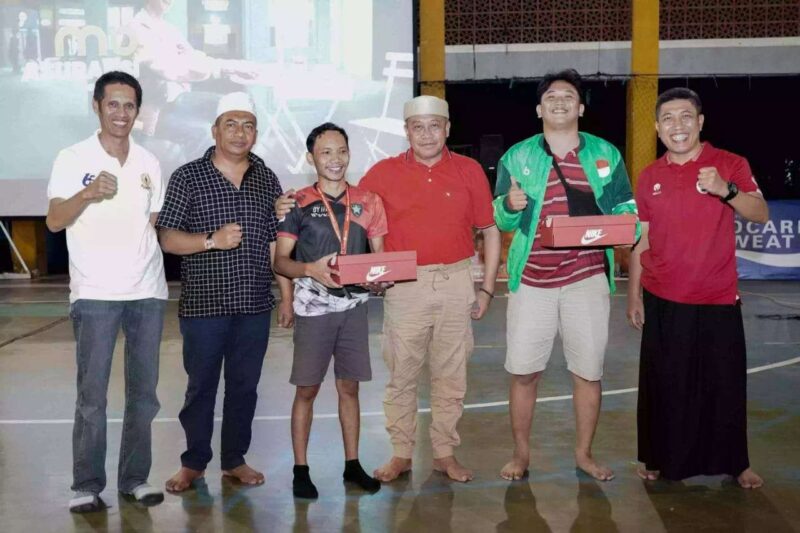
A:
37,395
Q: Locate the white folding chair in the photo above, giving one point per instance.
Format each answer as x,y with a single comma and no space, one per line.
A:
373,127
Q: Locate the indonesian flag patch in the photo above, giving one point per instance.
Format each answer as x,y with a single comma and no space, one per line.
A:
603,169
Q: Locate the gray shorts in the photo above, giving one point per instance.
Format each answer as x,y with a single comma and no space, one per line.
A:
343,335
578,312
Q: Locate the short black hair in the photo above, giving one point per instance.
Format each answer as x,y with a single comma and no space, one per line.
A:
569,75
116,76
679,93
322,128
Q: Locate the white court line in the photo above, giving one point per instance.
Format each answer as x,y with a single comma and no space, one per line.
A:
614,392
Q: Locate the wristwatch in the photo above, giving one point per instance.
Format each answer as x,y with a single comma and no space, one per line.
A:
733,190
209,244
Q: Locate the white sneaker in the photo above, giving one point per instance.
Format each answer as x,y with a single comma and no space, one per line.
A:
146,494
86,502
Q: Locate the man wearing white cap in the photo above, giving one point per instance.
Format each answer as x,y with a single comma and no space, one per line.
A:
434,199
216,215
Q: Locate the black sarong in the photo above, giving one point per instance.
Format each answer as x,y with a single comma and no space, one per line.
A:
692,412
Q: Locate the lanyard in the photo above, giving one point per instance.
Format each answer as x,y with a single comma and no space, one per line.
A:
342,236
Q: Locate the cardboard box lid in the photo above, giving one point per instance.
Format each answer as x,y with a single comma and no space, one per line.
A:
376,257
599,220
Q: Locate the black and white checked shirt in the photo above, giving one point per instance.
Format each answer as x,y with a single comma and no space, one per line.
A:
199,199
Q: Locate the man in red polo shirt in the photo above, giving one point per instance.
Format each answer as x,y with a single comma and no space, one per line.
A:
433,200
692,413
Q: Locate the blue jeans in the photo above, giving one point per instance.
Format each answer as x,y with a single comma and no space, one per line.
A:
96,324
240,341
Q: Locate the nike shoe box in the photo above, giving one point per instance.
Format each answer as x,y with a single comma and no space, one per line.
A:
586,232
372,268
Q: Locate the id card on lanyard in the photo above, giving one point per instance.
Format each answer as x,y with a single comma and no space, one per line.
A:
342,235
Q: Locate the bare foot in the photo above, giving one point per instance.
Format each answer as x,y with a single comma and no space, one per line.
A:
183,479
396,467
591,467
453,469
647,475
245,475
749,480
516,468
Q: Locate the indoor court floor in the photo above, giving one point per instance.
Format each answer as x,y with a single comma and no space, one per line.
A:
37,395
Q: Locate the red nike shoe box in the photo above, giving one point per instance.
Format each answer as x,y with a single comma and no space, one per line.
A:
593,231
369,268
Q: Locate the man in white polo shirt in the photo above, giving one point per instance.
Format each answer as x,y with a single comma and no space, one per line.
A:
106,191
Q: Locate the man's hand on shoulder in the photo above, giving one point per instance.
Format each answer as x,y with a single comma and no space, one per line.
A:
285,203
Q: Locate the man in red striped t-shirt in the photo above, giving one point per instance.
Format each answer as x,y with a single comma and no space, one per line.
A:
550,268
563,172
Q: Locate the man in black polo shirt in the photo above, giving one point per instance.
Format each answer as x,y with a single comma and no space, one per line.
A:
218,215
329,218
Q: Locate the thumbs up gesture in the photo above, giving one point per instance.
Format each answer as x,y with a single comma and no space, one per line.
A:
516,199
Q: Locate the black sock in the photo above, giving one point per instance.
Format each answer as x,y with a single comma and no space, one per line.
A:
355,474
302,487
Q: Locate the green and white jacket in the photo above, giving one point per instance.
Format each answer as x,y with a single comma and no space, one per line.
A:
530,165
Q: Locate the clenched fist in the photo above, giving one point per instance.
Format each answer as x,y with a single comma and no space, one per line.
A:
103,187
709,180
227,237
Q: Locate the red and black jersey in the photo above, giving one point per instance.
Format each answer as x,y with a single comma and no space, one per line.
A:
309,225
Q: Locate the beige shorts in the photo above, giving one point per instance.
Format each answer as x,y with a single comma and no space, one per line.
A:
577,312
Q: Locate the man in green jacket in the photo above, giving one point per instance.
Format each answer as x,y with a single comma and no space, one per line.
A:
558,173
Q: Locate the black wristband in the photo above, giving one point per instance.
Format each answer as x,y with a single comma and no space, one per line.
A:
733,191
487,292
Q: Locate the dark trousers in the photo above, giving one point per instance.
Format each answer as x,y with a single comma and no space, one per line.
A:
240,342
692,411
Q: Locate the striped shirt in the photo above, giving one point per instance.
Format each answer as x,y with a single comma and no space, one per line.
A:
557,267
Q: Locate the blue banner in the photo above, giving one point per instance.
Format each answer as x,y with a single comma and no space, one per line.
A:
771,250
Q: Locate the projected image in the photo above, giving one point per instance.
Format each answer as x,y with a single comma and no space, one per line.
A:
303,61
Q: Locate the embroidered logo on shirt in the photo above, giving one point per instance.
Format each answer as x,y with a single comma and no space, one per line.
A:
376,272
357,209
319,211
592,235
88,178
603,169
656,189
146,183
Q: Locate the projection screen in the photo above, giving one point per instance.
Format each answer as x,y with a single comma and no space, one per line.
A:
303,61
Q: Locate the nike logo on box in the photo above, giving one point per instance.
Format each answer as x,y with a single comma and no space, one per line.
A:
592,235
376,272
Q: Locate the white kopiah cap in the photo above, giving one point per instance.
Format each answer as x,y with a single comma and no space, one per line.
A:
426,105
236,102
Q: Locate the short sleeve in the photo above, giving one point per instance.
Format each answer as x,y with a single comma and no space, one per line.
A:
372,179
481,197
377,224
641,198
177,205
290,225
742,175
65,178
274,190
157,182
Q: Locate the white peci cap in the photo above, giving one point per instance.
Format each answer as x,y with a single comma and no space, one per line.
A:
238,101
426,105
